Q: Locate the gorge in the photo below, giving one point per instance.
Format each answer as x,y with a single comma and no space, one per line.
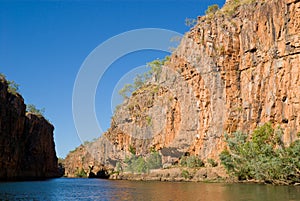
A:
235,70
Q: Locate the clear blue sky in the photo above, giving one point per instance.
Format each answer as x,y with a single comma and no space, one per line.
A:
44,43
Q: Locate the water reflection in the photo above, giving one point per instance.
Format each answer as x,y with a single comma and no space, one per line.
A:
203,191
95,189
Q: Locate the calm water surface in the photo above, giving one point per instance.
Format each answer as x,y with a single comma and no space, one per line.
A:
96,189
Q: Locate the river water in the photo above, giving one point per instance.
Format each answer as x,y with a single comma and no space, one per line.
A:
97,189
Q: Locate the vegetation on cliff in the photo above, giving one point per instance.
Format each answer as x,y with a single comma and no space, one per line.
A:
13,87
238,68
191,162
140,164
263,156
32,109
140,80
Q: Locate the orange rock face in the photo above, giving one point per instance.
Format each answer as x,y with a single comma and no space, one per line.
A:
254,58
235,70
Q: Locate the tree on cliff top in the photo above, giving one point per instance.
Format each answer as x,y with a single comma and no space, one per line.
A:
32,109
13,87
140,80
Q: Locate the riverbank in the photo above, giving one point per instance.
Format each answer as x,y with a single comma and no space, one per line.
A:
178,174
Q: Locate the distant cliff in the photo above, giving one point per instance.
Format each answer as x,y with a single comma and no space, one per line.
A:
237,68
27,149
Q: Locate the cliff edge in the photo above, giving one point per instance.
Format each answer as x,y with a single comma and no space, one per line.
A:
27,149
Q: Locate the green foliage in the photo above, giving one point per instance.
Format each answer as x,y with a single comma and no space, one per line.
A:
132,150
154,161
2,77
81,173
155,67
13,87
136,164
185,174
191,161
140,80
212,9
149,120
190,22
212,162
140,165
119,167
126,91
226,160
231,6
32,109
262,157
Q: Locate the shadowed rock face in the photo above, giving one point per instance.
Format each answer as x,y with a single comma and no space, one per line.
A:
27,149
234,70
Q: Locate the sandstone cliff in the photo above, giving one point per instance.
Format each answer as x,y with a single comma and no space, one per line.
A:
234,70
27,149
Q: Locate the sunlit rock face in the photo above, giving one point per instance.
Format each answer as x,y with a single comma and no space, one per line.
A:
234,70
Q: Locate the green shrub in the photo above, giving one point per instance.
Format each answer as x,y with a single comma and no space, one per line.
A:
262,157
13,87
212,162
155,66
132,150
81,173
32,109
212,9
136,164
231,6
149,120
191,162
119,167
140,80
140,165
185,174
226,160
126,91
154,161
190,22
2,77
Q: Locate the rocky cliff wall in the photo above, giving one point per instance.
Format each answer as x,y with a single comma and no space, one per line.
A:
27,149
235,70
